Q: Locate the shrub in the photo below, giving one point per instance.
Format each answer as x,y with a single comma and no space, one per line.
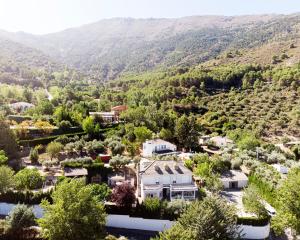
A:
53,149
236,163
25,197
3,158
76,162
6,179
28,179
34,155
101,191
20,218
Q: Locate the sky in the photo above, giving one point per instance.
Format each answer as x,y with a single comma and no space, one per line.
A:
46,16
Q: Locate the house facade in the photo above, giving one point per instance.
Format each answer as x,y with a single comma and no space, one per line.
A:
234,179
157,146
168,180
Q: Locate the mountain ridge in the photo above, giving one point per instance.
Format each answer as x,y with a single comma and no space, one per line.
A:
110,47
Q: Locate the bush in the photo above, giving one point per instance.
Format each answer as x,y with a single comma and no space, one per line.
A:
25,197
253,221
53,149
28,179
34,155
76,162
236,163
46,140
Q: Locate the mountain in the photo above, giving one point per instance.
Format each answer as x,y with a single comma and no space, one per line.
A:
111,47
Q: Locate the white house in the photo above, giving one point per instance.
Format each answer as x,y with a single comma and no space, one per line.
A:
166,180
221,142
234,179
157,146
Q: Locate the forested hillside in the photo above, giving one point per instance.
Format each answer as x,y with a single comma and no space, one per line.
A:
111,47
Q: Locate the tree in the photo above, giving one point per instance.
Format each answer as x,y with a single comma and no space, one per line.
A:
248,143
186,131
166,134
6,178
132,147
34,155
253,203
116,147
20,218
75,213
28,179
53,149
88,125
142,134
3,158
8,141
101,191
288,201
213,218
119,161
123,195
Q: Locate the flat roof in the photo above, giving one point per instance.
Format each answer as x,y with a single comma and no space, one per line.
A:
234,175
74,172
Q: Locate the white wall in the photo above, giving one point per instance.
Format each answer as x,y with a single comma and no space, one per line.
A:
5,209
124,221
242,183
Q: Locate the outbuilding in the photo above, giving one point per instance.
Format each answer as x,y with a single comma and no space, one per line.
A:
234,179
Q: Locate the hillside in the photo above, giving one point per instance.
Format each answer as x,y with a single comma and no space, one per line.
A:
111,47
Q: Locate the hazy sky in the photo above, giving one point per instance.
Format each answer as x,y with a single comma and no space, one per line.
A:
45,16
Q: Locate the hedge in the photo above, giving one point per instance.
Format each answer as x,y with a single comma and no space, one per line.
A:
46,140
26,197
253,221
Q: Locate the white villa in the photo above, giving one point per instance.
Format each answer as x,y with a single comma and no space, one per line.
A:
234,179
165,180
157,146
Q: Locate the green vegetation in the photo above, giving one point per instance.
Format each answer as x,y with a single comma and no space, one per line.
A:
28,179
18,223
205,220
6,179
288,199
75,213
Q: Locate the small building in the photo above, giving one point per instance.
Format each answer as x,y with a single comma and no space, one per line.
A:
221,142
75,172
234,179
168,180
110,117
280,168
157,146
21,106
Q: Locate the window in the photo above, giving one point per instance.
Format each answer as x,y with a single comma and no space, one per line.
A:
150,195
188,194
157,183
174,181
